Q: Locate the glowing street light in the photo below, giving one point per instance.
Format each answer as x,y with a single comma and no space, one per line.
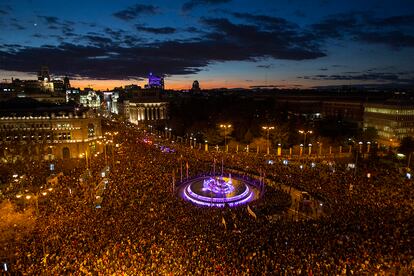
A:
305,132
268,128
225,133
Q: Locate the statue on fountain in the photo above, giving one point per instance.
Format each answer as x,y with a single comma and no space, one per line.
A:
218,185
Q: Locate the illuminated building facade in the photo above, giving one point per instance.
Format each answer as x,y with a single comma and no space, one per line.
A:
136,112
90,99
393,120
48,134
155,81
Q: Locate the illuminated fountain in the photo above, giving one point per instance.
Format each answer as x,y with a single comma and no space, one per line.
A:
218,191
218,185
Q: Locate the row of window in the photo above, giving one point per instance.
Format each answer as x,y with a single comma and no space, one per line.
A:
63,125
389,117
23,126
37,137
390,111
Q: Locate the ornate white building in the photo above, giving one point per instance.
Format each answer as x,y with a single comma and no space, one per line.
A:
136,112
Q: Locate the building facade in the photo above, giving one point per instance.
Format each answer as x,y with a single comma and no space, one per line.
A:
343,109
90,99
49,136
136,112
393,120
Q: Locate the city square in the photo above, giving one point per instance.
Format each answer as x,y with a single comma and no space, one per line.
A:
143,226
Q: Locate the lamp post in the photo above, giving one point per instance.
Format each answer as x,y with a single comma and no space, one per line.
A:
305,132
268,128
111,142
225,135
86,158
35,196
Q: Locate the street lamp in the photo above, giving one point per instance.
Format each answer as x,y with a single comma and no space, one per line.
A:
34,196
305,132
225,134
268,128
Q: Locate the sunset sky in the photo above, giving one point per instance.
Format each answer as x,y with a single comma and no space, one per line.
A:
221,43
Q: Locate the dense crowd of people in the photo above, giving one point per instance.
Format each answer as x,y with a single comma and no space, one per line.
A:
144,228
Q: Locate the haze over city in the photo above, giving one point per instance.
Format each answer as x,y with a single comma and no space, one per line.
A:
221,43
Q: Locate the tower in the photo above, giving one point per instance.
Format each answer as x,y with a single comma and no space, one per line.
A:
43,74
196,86
66,83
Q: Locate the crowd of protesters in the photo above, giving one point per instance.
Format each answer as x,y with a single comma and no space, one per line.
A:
144,228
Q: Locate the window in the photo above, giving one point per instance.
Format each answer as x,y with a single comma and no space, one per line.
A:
91,130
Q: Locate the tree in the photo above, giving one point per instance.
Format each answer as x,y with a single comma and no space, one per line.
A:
248,137
370,134
407,145
279,135
259,142
212,135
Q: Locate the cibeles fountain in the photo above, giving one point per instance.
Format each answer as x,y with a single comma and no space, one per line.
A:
220,191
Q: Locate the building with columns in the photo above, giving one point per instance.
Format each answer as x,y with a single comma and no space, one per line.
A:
139,111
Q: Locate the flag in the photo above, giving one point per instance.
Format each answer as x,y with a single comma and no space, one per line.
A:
181,170
214,167
224,222
251,212
173,180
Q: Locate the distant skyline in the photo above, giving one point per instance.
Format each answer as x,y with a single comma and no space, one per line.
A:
220,43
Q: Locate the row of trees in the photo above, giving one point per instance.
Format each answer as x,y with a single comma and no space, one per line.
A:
201,117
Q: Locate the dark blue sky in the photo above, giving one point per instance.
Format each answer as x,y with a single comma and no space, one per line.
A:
244,43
